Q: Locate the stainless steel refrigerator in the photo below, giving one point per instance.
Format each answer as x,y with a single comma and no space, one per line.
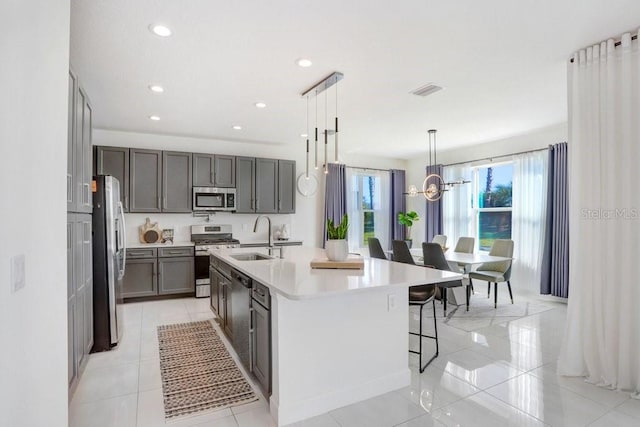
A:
109,257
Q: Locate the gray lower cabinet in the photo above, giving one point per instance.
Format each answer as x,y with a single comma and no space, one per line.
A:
245,184
266,185
79,292
176,181
286,186
227,308
145,180
114,161
159,271
203,168
261,338
175,275
141,278
224,172
215,290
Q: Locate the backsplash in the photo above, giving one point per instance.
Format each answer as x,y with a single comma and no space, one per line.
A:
242,225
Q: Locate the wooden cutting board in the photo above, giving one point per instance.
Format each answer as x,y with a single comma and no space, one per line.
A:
150,232
351,263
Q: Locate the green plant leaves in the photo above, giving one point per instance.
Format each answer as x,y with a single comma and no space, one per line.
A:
338,232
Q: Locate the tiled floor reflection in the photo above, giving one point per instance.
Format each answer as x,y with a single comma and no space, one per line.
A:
496,368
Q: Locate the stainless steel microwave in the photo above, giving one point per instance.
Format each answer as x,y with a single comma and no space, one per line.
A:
214,199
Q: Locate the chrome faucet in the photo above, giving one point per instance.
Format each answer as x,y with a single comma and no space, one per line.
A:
271,247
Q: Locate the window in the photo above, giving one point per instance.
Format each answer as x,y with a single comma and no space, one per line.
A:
492,202
368,212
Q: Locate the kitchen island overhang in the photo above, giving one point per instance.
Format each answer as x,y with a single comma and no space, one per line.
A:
338,336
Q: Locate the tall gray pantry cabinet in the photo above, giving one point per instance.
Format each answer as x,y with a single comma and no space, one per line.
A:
79,234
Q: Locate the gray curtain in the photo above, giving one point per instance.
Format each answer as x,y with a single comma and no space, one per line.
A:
398,203
555,259
433,220
335,197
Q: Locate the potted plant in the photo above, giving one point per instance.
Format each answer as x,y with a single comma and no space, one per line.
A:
407,219
336,247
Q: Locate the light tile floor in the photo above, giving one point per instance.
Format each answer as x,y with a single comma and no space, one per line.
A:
492,371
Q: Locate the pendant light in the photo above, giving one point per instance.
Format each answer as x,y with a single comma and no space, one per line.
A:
306,173
316,90
433,186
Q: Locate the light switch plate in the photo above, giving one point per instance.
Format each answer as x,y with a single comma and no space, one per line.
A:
17,272
391,302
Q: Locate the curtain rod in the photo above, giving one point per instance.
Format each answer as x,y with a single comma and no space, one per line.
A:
498,157
616,44
368,169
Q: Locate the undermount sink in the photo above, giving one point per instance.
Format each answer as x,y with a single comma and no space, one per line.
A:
253,256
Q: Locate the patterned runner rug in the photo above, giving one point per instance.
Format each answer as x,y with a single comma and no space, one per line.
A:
197,371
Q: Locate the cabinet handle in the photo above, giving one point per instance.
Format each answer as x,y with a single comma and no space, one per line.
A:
126,202
159,203
164,202
212,177
279,205
176,252
257,205
88,193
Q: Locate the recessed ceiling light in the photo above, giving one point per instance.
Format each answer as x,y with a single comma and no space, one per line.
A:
303,62
260,104
156,88
237,127
303,135
154,118
160,30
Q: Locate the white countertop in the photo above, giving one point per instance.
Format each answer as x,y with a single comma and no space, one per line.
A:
138,245
293,277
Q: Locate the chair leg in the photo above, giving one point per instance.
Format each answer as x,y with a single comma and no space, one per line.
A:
420,338
468,294
435,328
471,285
488,290
495,295
510,293
444,298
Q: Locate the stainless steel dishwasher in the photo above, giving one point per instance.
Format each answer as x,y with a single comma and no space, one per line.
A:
241,316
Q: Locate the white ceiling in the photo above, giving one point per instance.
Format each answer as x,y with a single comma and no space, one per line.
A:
502,62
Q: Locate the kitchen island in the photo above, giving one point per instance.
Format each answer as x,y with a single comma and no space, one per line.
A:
337,336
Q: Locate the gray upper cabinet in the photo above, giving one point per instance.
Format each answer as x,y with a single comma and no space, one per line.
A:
203,170
114,161
176,181
286,186
266,186
71,147
245,184
145,180
83,119
224,172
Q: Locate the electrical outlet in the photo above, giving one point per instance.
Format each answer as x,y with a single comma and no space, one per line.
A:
17,272
391,302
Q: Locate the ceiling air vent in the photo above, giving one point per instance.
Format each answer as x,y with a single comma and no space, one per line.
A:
427,89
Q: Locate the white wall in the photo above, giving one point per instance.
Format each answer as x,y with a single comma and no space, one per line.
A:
305,224
34,49
533,140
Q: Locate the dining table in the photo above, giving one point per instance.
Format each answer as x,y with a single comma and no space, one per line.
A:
466,261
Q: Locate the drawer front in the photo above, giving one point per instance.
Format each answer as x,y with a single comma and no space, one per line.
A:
175,251
141,253
260,293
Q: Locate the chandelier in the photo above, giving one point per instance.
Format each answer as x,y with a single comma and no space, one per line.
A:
314,91
433,186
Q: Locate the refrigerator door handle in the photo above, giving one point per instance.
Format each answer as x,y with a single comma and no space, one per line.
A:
124,240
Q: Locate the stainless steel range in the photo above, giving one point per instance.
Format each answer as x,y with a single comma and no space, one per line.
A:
207,237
